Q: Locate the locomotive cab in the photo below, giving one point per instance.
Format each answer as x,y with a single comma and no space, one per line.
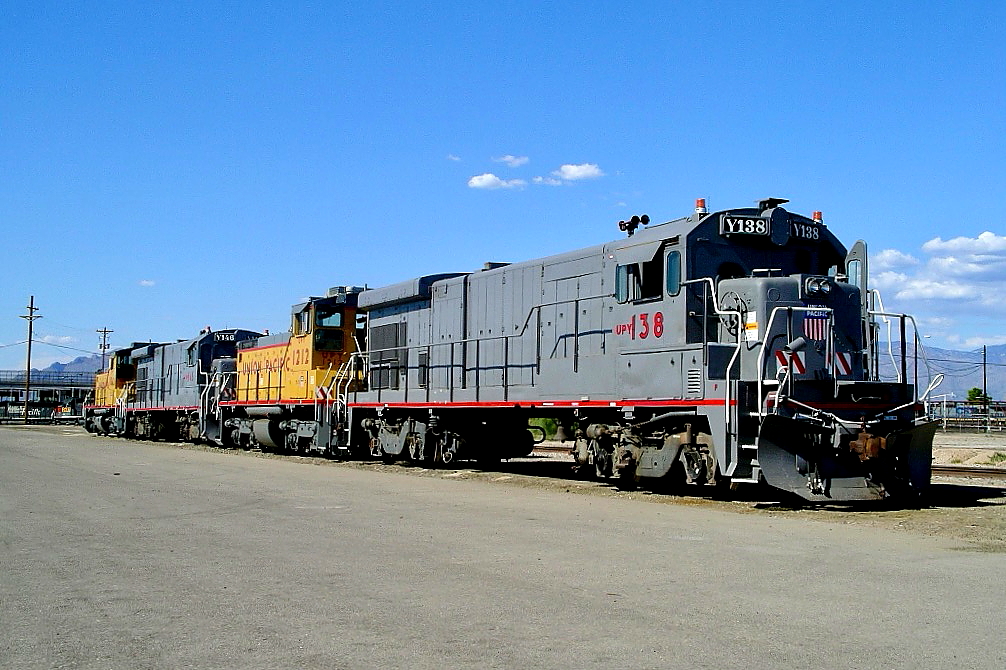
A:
815,414
287,384
112,386
756,326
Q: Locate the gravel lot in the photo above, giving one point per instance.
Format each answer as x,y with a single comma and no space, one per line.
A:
131,555
968,448
969,511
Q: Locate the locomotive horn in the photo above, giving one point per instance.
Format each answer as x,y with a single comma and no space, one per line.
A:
633,223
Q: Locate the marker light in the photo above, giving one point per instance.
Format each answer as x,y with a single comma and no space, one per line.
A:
818,217
700,206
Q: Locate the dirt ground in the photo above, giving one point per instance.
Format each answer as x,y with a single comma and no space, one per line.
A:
951,448
969,513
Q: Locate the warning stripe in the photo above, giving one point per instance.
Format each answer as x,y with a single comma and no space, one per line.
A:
842,364
795,357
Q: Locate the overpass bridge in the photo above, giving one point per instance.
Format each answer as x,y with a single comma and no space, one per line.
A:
52,395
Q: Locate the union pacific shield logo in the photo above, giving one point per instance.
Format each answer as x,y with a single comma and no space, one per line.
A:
815,323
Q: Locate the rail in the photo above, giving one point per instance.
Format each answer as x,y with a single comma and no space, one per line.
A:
980,471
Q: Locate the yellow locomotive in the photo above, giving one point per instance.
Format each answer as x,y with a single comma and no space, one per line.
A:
287,384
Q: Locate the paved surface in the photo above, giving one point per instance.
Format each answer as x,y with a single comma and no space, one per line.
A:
118,554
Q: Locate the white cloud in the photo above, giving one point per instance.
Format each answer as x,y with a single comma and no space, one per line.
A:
889,259
953,287
489,181
147,282
888,280
968,269
973,259
513,161
58,339
992,340
973,266
549,181
570,172
452,157
985,243
929,289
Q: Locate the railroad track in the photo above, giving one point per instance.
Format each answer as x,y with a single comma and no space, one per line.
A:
982,471
560,449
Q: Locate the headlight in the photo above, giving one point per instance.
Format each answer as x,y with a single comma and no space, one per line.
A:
818,286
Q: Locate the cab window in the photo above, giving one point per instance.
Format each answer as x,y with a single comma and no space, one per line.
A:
673,273
302,322
636,282
328,317
329,340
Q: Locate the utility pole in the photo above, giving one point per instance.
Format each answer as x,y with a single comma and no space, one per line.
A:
104,343
30,317
985,388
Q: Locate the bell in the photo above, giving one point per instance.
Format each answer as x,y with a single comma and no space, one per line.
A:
560,434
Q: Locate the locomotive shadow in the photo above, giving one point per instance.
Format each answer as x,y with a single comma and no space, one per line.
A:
964,495
942,494
945,495
548,467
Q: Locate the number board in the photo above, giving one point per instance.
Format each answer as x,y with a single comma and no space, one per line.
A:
223,337
804,231
744,225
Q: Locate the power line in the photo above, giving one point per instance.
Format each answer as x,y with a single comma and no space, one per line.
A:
978,363
63,346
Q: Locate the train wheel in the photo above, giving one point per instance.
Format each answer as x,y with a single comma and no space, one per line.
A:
675,481
603,465
627,479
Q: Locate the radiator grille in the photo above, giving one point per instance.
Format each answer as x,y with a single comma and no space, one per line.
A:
694,382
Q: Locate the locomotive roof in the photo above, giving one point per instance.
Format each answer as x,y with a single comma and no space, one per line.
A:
406,291
643,245
143,350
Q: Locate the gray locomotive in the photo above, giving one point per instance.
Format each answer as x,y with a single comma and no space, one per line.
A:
167,390
722,348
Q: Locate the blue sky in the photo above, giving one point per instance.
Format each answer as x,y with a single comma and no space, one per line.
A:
164,166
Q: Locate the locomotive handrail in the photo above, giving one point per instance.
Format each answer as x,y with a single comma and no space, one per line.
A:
788,379
123,399
325,411
875,299
904,352
344,377
505,339
737,350
537,308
